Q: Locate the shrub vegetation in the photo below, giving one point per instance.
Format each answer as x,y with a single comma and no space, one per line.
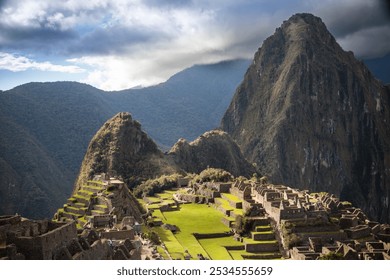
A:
153,186
213,175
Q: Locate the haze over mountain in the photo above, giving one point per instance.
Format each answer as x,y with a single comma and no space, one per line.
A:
311,115
47,126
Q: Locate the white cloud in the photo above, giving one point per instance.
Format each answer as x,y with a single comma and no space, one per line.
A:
143,68
15,63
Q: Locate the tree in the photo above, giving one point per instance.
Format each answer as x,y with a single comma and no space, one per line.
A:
239,224
153,236
332,256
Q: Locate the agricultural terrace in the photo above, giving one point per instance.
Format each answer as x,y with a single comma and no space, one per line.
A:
190,219
199,229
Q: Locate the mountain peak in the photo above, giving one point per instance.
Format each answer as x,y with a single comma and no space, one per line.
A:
310,114
301,33
306,17
309,28
213,148
120,147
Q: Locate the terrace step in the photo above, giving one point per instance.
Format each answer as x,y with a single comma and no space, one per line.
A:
98,212
85,193
261,247
232,200
69,216
95,183
101,207
71,200
93,189
82,199
263,228
74,210
262,256
79,205
260,236
259,221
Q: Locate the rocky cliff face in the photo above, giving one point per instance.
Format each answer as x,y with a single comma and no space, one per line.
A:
212,149
31,182
121,148
311,115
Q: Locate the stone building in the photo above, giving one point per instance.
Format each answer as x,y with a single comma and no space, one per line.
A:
284,203
241,189
36,239
46,240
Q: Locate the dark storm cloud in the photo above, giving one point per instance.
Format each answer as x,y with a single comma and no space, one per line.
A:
169,3
2,3
116,40
386,7
15,35
43,26
44,40
347,18
246,23
88,31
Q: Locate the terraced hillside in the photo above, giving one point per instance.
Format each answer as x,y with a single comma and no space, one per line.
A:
97,198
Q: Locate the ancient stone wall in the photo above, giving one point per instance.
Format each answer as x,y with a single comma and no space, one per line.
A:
44,246
10,219
211,235
99,250
118,234
261,247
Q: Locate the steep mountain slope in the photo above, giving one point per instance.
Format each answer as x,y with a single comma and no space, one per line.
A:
212,149
121,148
311,115
31,181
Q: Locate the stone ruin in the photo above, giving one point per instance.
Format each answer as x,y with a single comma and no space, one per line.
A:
322,222
46,240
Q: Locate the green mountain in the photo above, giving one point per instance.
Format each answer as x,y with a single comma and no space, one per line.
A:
122,148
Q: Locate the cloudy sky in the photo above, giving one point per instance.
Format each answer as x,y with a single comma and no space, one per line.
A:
126,43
